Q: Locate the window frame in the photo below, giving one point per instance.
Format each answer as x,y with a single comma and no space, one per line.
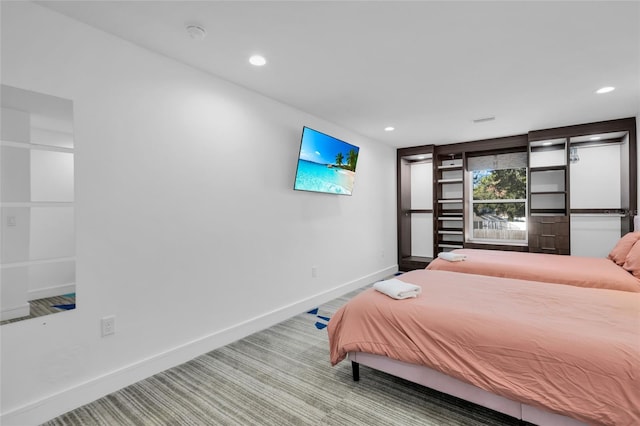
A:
470,203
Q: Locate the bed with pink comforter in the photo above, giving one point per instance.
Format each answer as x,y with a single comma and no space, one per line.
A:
570,350
572,270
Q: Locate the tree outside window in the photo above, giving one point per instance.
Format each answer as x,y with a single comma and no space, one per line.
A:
499,205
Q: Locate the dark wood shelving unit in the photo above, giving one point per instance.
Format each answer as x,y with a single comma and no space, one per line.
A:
405,159
549,210
448,179
548,230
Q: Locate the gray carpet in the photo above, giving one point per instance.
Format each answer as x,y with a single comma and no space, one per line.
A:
42,307
279,376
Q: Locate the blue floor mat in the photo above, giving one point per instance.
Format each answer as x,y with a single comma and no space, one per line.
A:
66,307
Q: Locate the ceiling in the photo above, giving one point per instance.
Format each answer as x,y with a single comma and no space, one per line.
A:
427,68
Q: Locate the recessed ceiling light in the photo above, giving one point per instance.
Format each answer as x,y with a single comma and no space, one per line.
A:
606,89
196,32
389,129
257,60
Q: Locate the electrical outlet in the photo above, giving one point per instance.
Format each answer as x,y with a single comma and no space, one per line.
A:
108,325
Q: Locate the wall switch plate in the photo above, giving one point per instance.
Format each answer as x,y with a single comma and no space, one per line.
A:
108,325
314,272
11,221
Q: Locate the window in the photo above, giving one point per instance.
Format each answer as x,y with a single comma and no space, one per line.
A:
498,199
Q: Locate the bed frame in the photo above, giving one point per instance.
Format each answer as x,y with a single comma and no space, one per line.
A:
435,380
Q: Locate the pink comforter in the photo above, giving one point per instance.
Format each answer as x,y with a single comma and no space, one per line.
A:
571,350
552,268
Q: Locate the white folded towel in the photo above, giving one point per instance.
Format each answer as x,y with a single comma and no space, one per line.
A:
452,257
397,289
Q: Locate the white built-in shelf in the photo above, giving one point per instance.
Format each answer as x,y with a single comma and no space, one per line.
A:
35,146
458,180
37,262
36,203
548,192
452,200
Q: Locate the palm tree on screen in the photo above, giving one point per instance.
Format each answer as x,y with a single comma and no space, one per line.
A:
352,158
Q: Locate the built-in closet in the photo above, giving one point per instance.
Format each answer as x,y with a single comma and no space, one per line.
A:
415,207
600,185
581,191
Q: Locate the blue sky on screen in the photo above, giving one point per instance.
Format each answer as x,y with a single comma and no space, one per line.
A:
321,148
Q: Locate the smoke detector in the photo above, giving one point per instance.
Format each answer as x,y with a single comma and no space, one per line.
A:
196,32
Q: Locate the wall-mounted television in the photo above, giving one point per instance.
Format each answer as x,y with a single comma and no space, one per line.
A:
325,164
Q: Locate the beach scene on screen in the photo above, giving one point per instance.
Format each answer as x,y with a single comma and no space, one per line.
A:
325,164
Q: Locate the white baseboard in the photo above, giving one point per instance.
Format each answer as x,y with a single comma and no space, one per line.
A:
49,407
15,312
53,291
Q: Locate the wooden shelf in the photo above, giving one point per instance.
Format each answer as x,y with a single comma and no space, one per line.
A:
448,245
548,226
449,182
417,259
547,168
547,192
563,211
410,211
409,263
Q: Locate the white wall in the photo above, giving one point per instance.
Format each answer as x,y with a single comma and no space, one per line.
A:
595,184
594,236
595,179
187,227
422,198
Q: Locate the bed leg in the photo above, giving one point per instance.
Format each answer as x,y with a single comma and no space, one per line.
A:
355,369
